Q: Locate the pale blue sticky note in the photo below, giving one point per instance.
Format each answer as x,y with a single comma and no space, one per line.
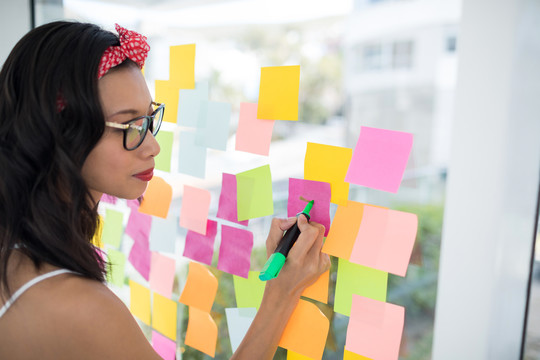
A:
238,321
213,126
191,157
163,234
189,102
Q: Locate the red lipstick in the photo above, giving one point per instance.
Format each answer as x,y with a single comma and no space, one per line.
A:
145,175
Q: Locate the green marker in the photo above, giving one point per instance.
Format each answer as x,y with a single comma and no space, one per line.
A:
275,262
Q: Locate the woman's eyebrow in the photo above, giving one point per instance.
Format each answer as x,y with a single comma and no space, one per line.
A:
133,112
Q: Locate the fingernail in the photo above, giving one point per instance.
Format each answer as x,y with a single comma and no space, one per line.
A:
291,219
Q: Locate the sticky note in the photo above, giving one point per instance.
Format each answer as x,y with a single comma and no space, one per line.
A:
278,93
138,226
116,270
253,135
194,211
108,199
227,208
254,193
375,328
347,355
238,323
182,66
329,163
167,93
380,158
200,247
165,347
157,198
97,240
200,289
344,229
359,280
164,312
291,355
163,234
201,332
213,126
113,228
248,292
306,331
163,159
310,190
191,157
385,239
162,270
235,250
319,289
139,257
190,103
139,301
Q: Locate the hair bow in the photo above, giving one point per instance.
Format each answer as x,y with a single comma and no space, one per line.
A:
132,46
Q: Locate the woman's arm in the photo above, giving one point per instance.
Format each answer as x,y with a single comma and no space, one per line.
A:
305,263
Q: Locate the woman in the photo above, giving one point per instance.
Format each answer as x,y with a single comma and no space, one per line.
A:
77,121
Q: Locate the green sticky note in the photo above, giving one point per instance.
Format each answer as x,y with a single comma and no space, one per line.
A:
116,269
254,193
357,279
165,141
113,228
248,292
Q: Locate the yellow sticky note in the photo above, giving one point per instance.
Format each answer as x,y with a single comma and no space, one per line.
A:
342,233
168,93
157,198
182,66
164,312
96,240
319,289
291,355
329,163
278,93
139,301
349,355
306,331
249,292
200,289
201,332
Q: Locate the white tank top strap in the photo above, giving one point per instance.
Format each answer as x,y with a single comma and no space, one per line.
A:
28,285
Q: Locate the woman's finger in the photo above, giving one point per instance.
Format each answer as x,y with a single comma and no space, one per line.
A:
275,234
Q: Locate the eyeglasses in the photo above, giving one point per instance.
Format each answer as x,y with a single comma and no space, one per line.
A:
135,130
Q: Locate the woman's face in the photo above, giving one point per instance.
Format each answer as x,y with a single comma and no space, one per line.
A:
109,168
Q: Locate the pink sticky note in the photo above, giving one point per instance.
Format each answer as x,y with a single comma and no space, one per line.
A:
253,135
379,158
201,247
138,226
227,208
310,190
162,274
375,328
139,257
235,251
195,206
385,239
108,198
165,347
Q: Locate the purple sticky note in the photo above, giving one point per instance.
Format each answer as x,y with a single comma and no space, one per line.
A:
310,190
201,247
139,257
227,208
108,198
138,228
235,251
380,158
165,347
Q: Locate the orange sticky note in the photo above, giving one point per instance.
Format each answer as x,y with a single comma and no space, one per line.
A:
157,198
168,93
343,231
385,239
182,66
200,289
329,164
164,312
201,332
306,331
195,206
319,289
139,301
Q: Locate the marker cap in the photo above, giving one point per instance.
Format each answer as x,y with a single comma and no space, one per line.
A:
272,267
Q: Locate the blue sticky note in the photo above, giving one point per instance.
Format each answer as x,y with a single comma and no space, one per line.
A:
238,321
189,102
213,126
191,157
163,234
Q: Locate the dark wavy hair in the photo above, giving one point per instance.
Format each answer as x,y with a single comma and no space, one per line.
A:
45,206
